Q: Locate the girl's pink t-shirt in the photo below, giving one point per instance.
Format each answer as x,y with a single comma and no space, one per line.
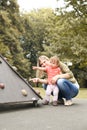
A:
51,72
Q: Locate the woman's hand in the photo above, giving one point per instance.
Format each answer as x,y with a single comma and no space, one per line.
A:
54,79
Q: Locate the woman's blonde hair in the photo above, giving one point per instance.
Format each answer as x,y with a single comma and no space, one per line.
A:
39,73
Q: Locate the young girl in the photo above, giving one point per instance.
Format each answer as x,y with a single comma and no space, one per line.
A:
52,69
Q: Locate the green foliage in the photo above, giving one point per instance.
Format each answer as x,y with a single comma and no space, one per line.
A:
32,40
79,6
43,31
63,35
11,29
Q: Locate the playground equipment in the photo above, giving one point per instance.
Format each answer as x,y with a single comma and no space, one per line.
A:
14,88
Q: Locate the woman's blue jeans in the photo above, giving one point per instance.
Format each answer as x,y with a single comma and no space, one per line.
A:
67,89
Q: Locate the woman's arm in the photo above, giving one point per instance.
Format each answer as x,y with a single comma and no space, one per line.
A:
66,73
38,80
55,78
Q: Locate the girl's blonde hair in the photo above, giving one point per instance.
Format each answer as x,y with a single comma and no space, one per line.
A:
55,60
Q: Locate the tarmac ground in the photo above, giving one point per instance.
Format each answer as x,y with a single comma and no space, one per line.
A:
44,117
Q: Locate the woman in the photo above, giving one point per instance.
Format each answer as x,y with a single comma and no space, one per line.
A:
66,82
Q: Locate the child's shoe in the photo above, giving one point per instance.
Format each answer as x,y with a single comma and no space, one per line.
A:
55,103
45,102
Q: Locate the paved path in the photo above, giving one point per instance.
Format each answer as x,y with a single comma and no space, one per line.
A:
45,117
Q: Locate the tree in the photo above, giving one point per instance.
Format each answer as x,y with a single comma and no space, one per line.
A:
67,37
32,40
11,29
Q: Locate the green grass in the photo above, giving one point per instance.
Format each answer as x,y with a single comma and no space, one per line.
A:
82,92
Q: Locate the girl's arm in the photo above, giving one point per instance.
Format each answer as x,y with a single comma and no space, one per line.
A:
39,68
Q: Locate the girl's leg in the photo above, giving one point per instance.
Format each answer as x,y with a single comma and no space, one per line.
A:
67,89
55,93
48,93
45,87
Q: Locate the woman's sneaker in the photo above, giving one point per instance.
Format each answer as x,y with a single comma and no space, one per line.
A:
68,102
